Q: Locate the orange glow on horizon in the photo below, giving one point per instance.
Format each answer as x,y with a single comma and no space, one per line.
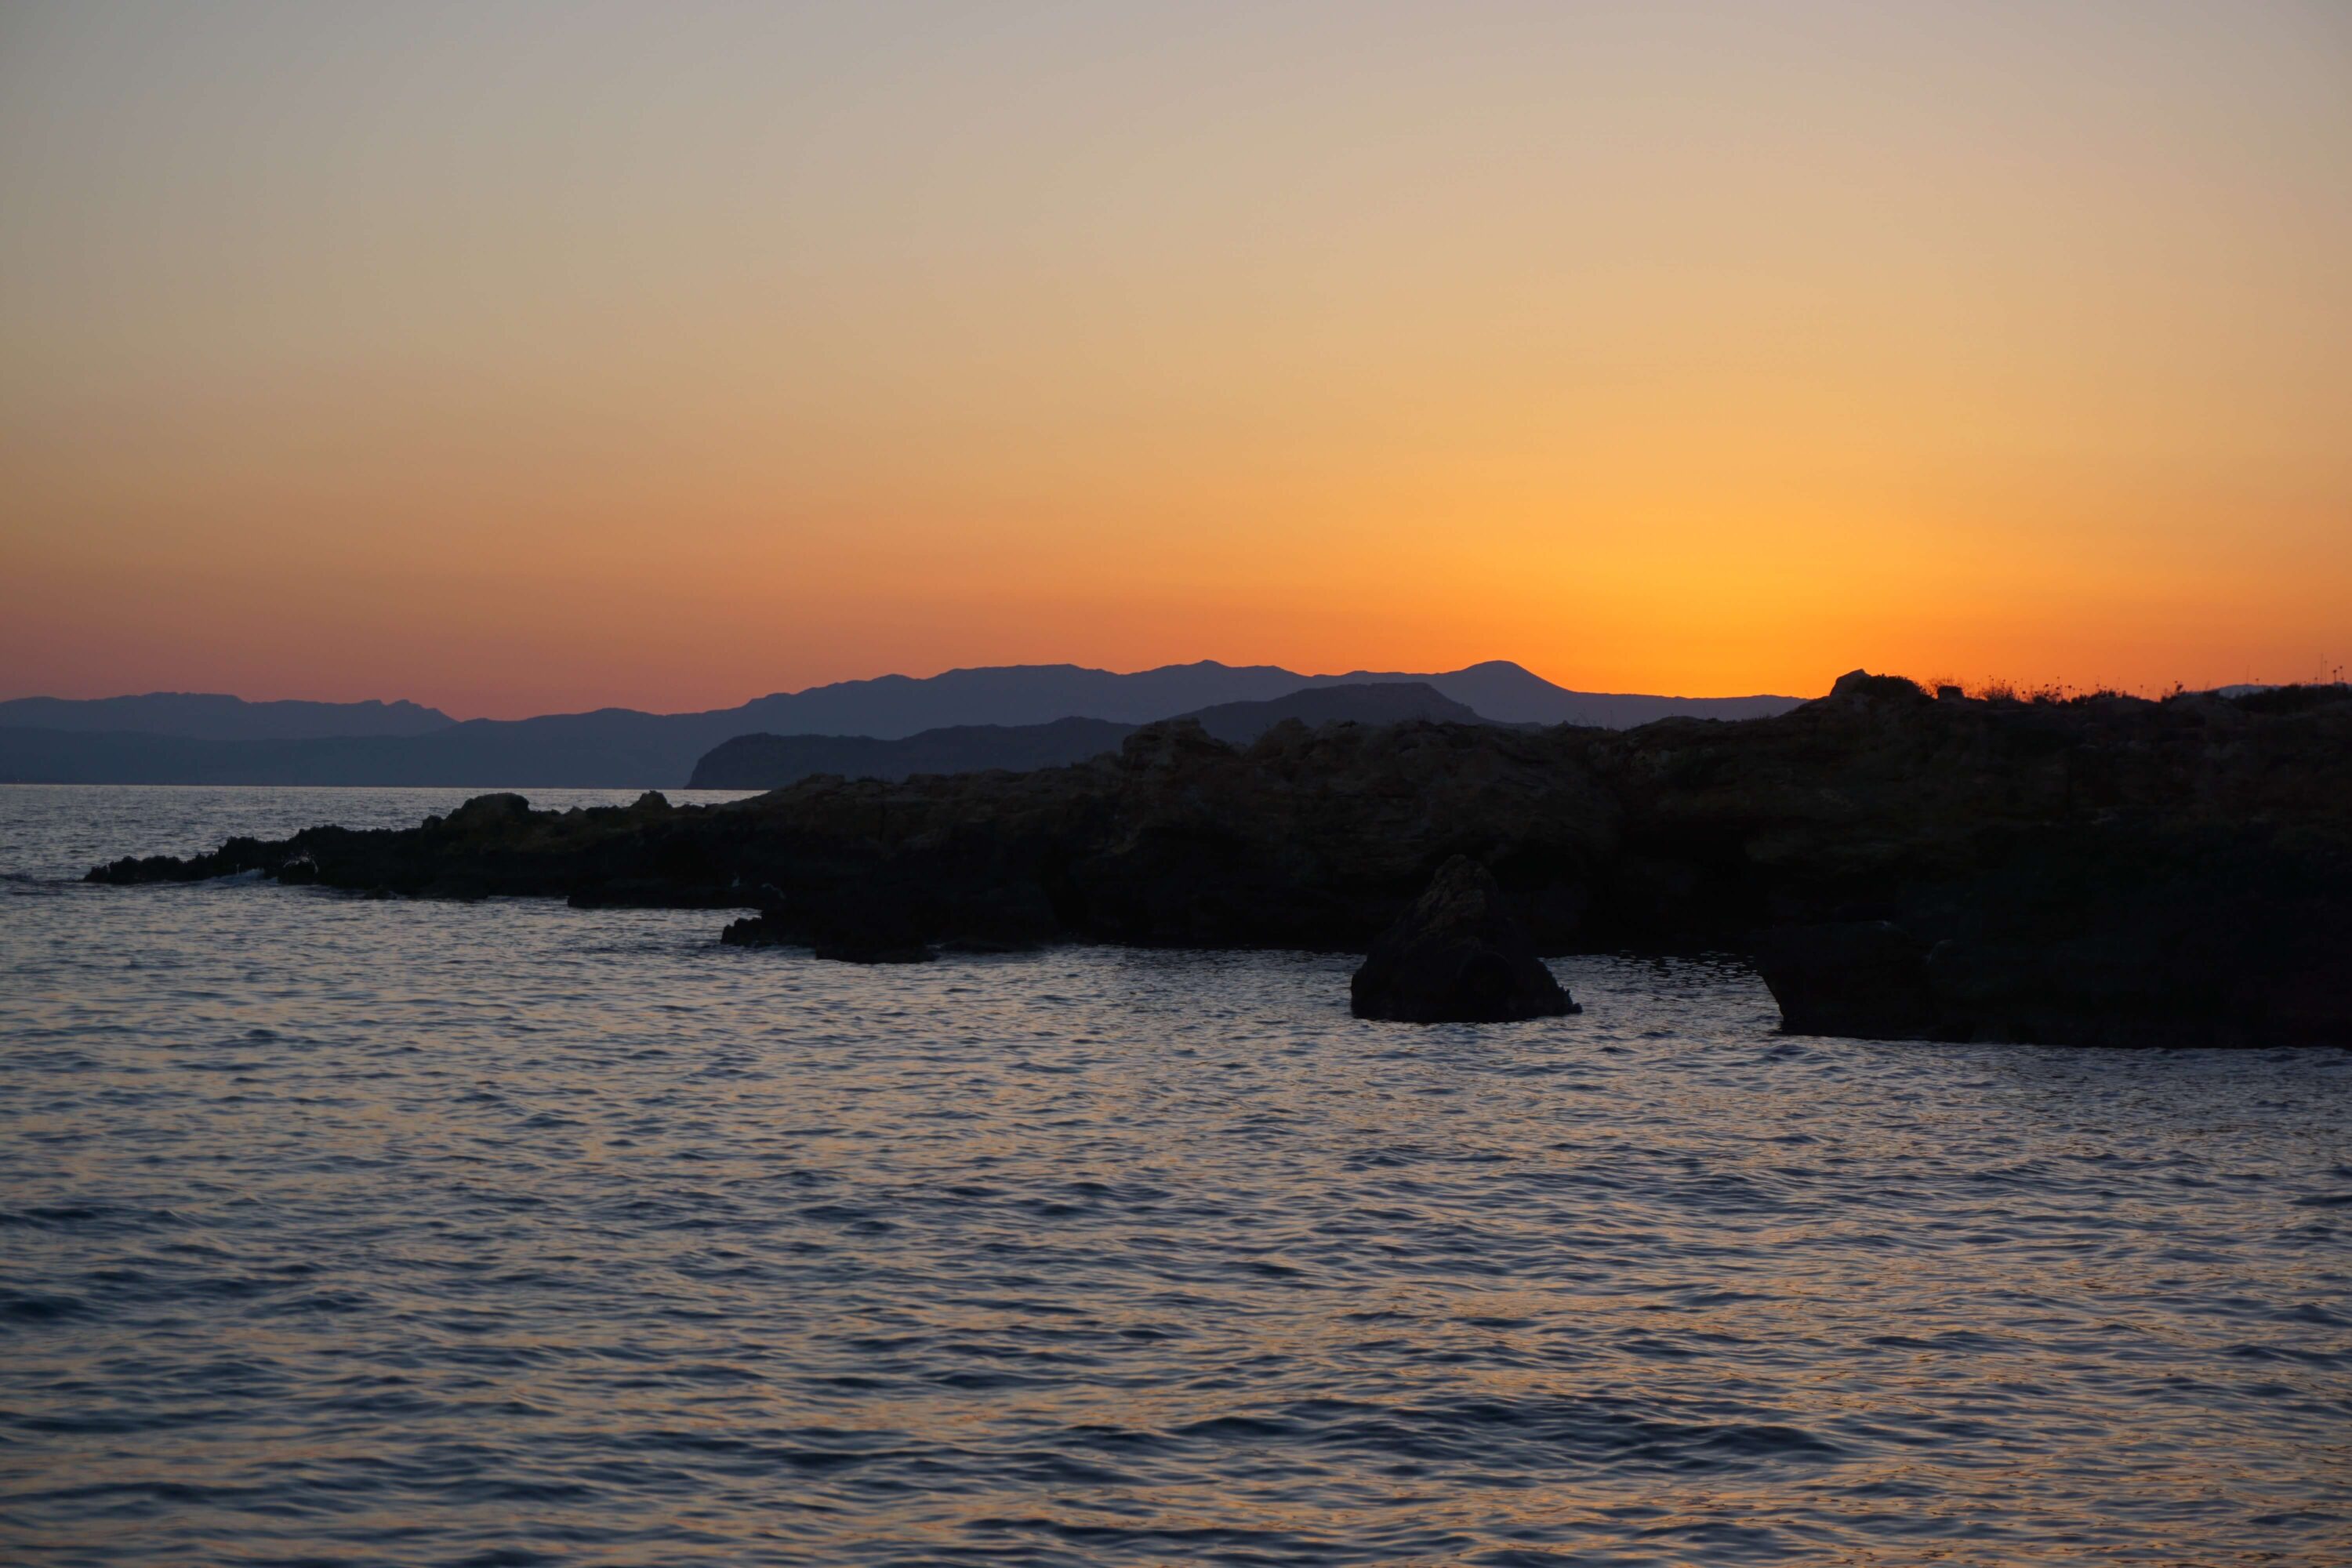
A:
553,358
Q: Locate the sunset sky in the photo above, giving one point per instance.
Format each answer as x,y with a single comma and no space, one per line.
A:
528,357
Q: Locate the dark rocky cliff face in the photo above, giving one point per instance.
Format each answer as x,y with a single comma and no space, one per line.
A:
2104,872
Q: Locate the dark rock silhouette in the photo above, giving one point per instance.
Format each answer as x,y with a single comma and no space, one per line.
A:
1861,683
1852,977
2106,870
1458,955
854,927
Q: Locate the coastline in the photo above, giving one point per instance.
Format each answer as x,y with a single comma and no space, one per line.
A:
2107,871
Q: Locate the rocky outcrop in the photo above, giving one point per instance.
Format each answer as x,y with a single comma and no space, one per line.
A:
1861,683
2106,870
1458,955
1866,978
853,927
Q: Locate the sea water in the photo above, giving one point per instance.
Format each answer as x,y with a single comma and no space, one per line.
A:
337,1230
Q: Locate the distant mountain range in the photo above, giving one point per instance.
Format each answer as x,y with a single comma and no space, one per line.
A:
771,762
172,738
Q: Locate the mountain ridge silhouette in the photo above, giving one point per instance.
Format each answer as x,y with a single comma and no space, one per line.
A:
772,761
627,748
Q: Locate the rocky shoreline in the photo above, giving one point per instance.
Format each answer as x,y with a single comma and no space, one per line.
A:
2104,872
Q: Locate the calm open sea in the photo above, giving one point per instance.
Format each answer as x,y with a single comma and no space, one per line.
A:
338,1231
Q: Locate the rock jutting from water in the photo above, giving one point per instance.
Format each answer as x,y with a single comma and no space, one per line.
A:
1458,955
2101,871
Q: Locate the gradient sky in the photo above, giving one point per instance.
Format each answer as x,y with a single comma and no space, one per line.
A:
522,357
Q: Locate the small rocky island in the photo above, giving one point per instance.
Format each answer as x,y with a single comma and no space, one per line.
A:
2103,870
1457,954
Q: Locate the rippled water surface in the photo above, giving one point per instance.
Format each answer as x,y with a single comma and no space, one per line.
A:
341,1231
